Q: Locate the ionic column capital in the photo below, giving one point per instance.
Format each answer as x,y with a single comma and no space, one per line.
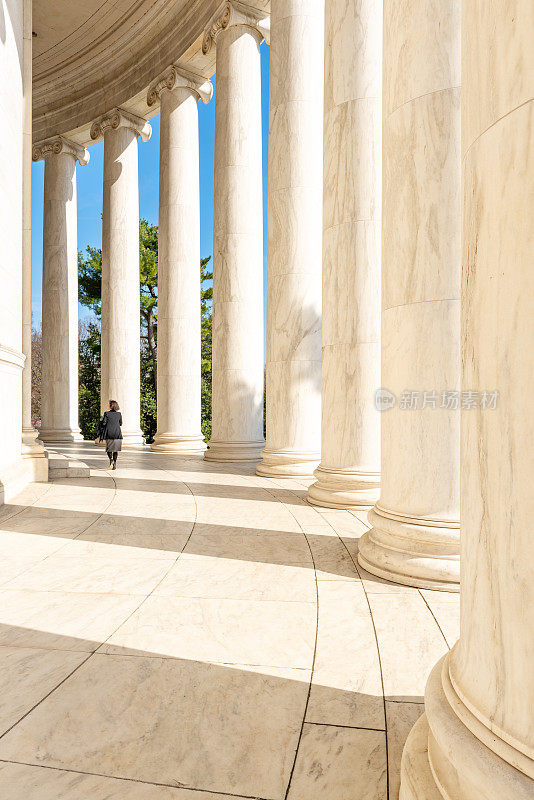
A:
175,77
118,118
57,145
232,13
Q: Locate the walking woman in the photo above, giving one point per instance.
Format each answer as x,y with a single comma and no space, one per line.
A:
112,421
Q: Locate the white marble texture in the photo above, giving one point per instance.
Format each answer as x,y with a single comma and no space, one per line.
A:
349,472
11,199
164,639
26,674
340,694
178,272
32,450
59,391
344,763
415,535
237,391
120,378
294,227
479,731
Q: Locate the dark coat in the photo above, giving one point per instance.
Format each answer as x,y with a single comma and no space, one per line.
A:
113,422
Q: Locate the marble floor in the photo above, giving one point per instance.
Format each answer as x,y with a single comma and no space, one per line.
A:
182,630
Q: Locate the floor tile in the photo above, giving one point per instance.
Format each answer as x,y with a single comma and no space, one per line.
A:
340,763
50,521
153,505
168,721
21,545
61,621
211,577
347,683
409,641
126,545
97,575
27,675
250,544
157,626
445,607
331,558
39,783
401,717
221,631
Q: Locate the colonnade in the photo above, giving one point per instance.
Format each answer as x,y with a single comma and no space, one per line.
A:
427,323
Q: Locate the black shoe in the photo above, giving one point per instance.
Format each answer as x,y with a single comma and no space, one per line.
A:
114,466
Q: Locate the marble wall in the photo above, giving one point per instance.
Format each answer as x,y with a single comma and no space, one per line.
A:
11,147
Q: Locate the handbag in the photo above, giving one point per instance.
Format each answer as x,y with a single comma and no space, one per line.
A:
101,429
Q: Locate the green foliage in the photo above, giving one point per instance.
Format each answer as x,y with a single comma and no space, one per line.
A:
149,421
206,303
89,378
90,295
148,267
90,279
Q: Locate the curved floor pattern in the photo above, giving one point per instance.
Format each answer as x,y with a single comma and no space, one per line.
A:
179,630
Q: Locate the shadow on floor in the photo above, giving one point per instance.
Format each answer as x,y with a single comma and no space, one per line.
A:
101,721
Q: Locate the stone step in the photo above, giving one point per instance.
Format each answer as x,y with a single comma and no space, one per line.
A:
60,466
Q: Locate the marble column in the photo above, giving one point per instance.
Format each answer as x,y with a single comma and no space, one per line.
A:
294,233
476,741
179,397
32,450
349,472
59,391
415,535
120,325
238,353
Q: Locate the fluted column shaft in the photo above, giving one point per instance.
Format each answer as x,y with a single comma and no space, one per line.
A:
179,395
477,740
415,535
294,233
349,472
120,344
59,392
237,389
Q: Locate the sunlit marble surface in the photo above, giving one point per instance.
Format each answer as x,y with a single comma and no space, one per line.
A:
180,630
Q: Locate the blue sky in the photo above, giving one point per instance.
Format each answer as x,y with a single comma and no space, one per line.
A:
89,186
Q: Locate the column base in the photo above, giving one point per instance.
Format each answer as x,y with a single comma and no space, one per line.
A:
234,451
344,488
132,439
34,456
173,443
60,436
287,463
417,781
412,551
31,447
447,754
16,476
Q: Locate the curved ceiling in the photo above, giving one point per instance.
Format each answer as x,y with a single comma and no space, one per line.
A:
89,57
